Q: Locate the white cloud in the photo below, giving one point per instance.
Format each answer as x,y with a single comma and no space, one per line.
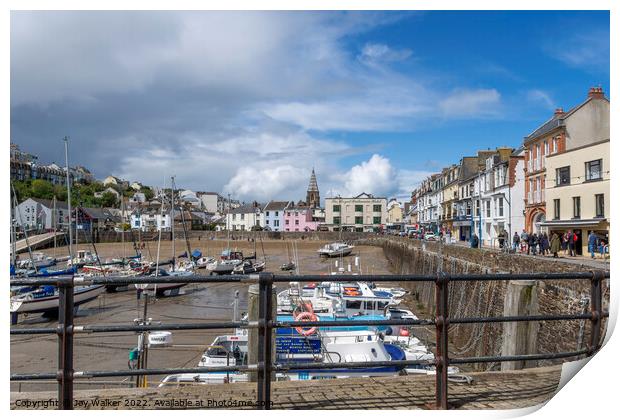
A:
537,95
373,53
588,49
471,103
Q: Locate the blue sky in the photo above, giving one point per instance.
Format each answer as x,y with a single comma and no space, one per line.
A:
248,103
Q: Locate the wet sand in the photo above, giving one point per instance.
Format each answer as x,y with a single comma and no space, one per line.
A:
108,351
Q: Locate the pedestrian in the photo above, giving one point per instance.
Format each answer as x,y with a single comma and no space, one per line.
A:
532,242
500,239
544,244
592,243
565,243
515,241
525,239
555,244
571,243
475,241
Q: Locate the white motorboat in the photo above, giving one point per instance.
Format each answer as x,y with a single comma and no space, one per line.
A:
39,260
335,249
202,262
227,263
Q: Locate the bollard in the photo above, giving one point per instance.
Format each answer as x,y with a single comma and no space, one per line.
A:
65,347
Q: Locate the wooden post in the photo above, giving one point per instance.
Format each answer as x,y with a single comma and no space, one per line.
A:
520,338
254,345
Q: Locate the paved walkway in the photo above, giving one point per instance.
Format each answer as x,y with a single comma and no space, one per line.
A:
584,260
489,390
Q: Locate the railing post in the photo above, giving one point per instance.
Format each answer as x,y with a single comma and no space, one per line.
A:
441,323
265,348
596,304
65,346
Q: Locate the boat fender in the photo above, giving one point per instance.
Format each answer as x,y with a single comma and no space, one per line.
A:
306,316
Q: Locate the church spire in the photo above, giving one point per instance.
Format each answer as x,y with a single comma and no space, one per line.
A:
312,196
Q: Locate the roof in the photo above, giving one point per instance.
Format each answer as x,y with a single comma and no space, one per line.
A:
557,120
50,203
100,213
276,205
247,208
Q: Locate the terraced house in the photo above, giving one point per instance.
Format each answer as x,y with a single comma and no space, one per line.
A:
363,213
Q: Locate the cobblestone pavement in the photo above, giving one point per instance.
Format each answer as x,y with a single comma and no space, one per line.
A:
489,390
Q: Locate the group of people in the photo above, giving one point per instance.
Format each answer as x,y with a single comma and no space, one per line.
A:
566,243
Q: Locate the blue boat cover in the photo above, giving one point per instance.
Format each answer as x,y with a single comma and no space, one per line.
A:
196,253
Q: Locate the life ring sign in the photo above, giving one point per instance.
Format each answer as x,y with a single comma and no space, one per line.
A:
306,316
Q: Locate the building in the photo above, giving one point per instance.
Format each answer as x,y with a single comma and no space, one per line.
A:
299,219
150,219
313,197
110,190
38,214
449,197
246,217
274,215
577,192
112,180
92,219
136,186
363,213
394,212
584,124
82,175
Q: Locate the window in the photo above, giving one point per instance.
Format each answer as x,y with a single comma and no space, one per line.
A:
359,207
359,220
546,148
267,213
593,170
354,304
576,207
477,208
297,222
556,209
276,223
336,220
267,221
500,207
562,176
286,222
488,208
468,211
277,213
376,220
376,207
336,207
600,205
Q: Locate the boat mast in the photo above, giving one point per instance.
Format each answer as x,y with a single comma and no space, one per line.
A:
172,221
13,239
66,140
54,222
123,225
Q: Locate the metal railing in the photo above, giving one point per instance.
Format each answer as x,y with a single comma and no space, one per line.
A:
265,366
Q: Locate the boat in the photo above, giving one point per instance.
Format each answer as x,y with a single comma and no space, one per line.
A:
289,266
248,267
82,258
202,262
45,299
335,249
228,261
38,260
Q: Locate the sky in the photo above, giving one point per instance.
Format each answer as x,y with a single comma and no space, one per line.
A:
248,103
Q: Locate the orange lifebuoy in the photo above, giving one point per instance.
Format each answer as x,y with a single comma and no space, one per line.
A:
306,316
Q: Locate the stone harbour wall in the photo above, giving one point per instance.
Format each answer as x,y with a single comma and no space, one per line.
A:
486,298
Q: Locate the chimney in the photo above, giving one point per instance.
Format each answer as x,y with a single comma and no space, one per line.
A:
596,93
558,111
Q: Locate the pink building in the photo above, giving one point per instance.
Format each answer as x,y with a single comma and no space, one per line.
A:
299,219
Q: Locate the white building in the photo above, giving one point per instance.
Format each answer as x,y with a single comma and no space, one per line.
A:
246,217
150,220
37,213
274,215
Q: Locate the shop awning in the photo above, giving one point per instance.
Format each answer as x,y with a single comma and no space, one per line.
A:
573,223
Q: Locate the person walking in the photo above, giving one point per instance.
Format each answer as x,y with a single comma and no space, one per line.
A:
544,244
532,242
525,241
592,243
565,243
475,241
556,244
571,243
515,241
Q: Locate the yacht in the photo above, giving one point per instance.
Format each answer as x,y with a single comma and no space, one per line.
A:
335,249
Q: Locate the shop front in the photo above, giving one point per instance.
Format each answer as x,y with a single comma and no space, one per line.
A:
582,229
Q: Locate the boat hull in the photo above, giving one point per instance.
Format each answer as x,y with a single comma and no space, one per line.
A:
50,303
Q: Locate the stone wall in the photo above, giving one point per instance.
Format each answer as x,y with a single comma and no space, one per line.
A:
486,298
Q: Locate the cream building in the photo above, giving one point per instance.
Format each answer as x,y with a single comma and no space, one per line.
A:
395,212
578,192
364,213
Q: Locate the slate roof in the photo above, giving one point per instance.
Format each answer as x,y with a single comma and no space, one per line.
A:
276,205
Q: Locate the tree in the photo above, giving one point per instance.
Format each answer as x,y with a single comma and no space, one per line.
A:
148,193
42,189
108,199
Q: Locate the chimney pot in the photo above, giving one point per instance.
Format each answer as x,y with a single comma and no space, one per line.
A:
559,111
596,92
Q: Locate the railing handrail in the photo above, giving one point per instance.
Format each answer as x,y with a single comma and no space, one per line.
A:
67,329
